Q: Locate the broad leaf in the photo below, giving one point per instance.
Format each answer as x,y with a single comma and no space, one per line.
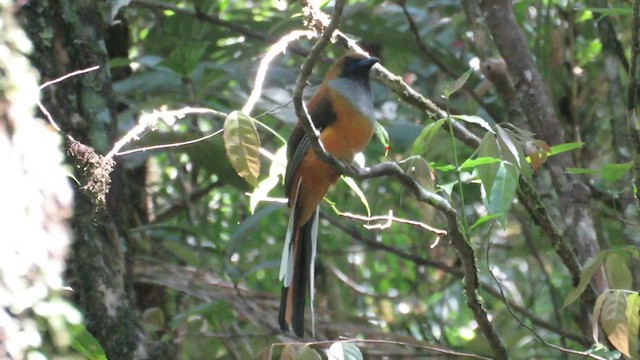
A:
503,192
487,173
618,273
242,143
418,168
344,351
559,149
421,144
451,88
614,321
613,172
633,318
483,220
483,160
588,270
307,353
84,343
472,119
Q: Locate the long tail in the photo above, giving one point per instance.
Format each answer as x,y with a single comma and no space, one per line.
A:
296,271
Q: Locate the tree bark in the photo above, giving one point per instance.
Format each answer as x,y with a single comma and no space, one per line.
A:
68,35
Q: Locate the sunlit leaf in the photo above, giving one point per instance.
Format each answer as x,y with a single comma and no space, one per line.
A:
242,143
472,119
86,344
559,149
614,321
344,351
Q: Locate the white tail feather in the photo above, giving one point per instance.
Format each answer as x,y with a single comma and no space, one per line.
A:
286,264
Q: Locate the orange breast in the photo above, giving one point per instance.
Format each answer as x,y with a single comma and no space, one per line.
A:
344,138
351,131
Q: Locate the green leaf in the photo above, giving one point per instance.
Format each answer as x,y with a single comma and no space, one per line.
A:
610,172
344,351
589,51
487,173
581,171
633,318
512,151
613,172
185,57
421,144
588,270
610,11
242,143
472,119
618,273
559,149
418,168
483,160
383,137
483,220
307,353
87,345
503,192
451,88
356,189
614,321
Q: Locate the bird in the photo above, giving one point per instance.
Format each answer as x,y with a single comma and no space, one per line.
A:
342,110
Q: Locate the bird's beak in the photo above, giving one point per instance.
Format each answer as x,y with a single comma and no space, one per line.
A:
367,63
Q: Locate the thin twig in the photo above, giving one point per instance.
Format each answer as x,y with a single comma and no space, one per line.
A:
279,47
389,219
436,59
150,121
69,75
531,330
172,145
44,110
454,271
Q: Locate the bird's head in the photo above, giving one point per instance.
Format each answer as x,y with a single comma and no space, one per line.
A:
352,65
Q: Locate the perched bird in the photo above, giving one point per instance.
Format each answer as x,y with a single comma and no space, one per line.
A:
342,110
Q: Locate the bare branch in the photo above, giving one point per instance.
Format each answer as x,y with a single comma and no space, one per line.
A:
390,219
279,47
150,121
